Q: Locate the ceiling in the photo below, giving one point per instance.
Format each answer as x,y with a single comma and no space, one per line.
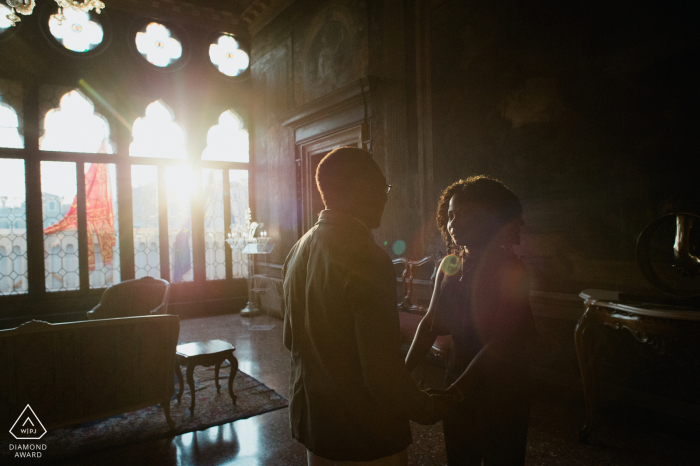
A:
236,7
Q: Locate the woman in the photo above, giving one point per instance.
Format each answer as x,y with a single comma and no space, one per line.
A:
481,300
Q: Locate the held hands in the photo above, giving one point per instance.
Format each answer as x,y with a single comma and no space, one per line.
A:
443,401
452,391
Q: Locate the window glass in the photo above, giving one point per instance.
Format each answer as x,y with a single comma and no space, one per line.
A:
214,226
9,128
75,127
144,186
179,182
11,114
157,45
77,32
227,141
157,135
227,56
59,185
13,228
238,181
102,224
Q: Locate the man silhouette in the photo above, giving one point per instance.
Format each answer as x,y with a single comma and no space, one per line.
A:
351,395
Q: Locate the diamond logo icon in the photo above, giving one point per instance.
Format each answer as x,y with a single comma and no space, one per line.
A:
28,426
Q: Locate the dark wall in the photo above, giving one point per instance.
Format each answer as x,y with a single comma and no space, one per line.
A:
586,112
311,49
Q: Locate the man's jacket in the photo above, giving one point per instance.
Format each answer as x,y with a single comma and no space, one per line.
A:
351,395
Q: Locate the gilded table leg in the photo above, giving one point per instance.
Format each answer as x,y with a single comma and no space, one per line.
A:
216,375
587,372
181,382
234,370
168,419
190,382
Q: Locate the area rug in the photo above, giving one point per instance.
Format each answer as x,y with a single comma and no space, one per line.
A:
211,408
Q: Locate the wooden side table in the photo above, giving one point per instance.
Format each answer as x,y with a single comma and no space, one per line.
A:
206,353
661,326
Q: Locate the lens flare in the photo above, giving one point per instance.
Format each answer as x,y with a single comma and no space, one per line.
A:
451,265
399,247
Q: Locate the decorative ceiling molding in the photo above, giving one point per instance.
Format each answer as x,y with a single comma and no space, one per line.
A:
184,12
261,12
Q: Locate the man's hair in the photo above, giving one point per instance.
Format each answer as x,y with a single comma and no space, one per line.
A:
342,172
487,192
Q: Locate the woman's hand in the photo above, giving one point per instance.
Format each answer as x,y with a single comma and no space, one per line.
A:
452,391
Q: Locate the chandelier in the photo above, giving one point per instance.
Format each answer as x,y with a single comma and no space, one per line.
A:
26,7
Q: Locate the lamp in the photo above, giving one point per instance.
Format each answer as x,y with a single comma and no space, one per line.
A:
25,7
243,237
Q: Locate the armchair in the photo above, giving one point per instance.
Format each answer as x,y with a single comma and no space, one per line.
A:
130,298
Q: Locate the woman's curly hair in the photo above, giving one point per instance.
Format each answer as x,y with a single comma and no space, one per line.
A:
489,192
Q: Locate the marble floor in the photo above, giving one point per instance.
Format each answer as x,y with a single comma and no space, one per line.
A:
265,440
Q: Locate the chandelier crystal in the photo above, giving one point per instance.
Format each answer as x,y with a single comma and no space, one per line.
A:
25,7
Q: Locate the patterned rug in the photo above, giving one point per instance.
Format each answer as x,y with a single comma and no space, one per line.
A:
211,409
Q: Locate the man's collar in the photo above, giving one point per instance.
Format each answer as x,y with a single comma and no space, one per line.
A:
339,216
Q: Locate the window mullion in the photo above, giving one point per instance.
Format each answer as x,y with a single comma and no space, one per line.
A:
35,221
83,238
126,221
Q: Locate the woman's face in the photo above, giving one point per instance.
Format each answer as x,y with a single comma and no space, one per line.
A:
470,224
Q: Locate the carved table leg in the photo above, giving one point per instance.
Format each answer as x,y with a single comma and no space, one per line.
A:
234,370
181,382
216,375
190,382
587,373
168,419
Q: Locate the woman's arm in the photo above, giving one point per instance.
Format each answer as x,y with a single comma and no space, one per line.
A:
425,335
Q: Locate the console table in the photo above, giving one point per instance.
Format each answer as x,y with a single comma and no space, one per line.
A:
658,325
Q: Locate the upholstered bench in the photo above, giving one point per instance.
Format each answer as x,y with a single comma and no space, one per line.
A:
75,372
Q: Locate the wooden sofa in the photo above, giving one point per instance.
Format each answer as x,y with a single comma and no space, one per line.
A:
75,372
414,293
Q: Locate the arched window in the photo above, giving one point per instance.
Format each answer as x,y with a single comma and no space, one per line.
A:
77,32
9,128
75,127
228,57
4,22
228,140
157,135
157,45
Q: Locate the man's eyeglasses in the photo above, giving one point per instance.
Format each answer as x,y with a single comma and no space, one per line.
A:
388,188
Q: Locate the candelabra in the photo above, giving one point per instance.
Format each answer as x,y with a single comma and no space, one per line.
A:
26,7
242,237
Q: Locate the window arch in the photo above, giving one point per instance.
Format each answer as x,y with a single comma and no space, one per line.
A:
75,127
157,135
157,45
4,21
77,32
228,57
228,140
9,128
